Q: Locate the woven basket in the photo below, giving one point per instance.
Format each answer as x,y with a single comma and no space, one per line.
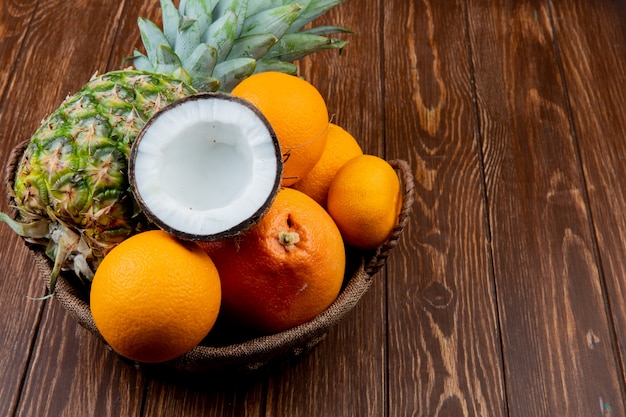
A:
254,353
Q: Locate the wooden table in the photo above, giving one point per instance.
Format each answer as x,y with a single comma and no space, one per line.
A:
506,294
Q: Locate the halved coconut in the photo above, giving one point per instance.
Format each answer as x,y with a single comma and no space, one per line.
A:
205,167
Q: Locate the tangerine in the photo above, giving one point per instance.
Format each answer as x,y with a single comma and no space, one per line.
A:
340,147
285,270
364,200
298,114
155,297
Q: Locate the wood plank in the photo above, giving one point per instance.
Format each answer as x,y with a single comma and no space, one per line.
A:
345,374
505,295
59,59
196,396
15,17
74,374
204,396
19,317
548,286
350,81
444,349
599,55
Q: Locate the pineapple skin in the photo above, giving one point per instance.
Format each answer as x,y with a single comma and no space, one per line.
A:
73,173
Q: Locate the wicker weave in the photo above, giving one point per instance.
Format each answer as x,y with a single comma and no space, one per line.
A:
257,352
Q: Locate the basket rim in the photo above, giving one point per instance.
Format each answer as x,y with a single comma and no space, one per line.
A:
257,351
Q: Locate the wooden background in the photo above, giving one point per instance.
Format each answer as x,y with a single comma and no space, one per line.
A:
506,294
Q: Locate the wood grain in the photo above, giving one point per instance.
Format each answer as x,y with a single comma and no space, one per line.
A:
59,369
599,135
442,308
204,397
19,317
505,296
548,285
72,373
19,320
15,17
354,383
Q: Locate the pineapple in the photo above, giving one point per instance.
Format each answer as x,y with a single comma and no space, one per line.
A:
70,186
71,189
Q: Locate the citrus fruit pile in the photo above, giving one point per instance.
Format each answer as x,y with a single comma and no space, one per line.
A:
155,296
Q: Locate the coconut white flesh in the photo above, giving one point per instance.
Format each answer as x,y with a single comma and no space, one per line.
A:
206,165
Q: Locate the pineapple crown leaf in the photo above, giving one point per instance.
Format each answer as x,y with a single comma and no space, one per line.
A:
170,15
238,7
202,61
200,37
200,11
276,20
294,46
166,60
327,30
221,34
256,6
253,46
184,23
140,61
151,36
315,9
188,38
268,64
232,72
197,8
205,83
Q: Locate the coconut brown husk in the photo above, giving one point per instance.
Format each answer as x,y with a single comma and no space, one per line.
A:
255,352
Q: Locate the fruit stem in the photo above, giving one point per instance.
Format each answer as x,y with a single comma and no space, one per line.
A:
288,240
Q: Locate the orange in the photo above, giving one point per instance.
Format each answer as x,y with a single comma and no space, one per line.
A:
298,114
285,270
155,297
341,146
364,200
